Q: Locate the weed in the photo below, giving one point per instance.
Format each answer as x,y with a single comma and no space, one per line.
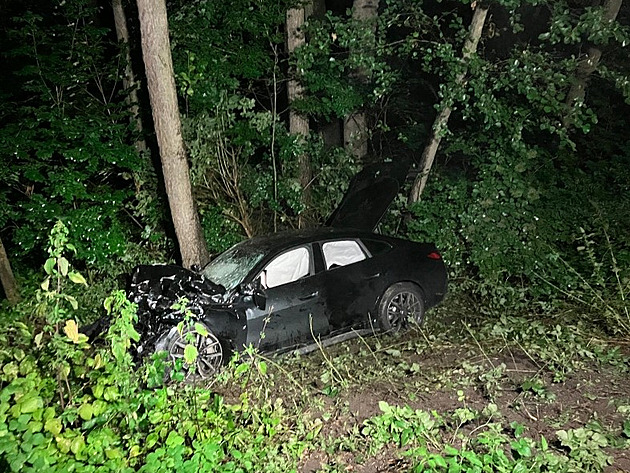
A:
585,448
536,387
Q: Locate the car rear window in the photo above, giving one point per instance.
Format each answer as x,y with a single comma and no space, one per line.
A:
342,253
377,247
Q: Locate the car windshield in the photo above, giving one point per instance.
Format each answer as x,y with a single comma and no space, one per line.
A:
230,267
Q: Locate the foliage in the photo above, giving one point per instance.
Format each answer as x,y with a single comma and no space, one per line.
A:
104,415
244,162
65,143
493,448
68,405
497,204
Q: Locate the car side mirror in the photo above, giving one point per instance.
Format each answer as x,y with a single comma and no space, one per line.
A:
260,299
256,290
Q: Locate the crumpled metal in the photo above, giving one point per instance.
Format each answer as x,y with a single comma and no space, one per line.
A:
155,289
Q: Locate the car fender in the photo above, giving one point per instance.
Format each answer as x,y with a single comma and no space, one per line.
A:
228,324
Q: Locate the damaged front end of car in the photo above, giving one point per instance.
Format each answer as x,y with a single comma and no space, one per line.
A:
158,290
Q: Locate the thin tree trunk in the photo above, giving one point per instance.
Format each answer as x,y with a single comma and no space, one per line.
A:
129,80
158,63
6,277
298,124
441,120
588,65
355,135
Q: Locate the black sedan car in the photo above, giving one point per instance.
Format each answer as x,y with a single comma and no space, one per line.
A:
289,289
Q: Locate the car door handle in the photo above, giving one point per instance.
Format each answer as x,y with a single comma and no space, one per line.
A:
309,296
372,276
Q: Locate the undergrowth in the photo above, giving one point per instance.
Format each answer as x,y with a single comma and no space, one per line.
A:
66,405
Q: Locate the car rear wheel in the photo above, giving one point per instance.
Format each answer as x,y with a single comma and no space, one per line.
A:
401,304
210,351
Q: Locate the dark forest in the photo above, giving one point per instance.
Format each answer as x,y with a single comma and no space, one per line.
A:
133,138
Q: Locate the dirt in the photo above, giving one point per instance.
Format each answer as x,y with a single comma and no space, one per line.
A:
590,394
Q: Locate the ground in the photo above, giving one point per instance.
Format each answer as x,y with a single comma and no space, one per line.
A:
548,392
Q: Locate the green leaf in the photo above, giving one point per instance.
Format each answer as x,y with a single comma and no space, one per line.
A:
73,302
152,439
77,278
262,366
201,329
77,445
240,369
111,393
98,391
63,265
30,404
10,369
520,467
439,461
108,304
133,334
112,453
563,435
46,284
190,354
450,451
53,426
86,411
49,265
174,439
543,443
522,448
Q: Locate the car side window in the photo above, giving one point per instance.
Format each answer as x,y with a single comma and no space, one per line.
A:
342,253
287,267
377,247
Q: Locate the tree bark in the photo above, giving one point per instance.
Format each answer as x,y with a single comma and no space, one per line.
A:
129,79
441,120
588,65
355,135
6,277
158,63
298,124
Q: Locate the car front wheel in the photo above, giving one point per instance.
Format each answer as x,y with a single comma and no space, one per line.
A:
210,351
401,304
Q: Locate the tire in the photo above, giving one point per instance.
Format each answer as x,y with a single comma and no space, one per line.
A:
402,304
210,351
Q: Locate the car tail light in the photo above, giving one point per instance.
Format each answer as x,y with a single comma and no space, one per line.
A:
434,255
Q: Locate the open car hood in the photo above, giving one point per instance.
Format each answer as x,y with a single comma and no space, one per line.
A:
369,195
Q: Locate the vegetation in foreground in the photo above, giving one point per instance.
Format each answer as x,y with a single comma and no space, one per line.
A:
528,200
468,392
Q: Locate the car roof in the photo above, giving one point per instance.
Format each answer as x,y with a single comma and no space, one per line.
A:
278,241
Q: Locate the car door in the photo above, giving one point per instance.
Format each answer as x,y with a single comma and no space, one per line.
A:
352,282
294,302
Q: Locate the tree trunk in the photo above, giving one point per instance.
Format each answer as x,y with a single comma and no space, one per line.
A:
588,65
441,120
158,63
7,278
298,124
129,80
355,135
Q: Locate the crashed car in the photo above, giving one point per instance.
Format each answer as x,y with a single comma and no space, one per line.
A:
295,288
